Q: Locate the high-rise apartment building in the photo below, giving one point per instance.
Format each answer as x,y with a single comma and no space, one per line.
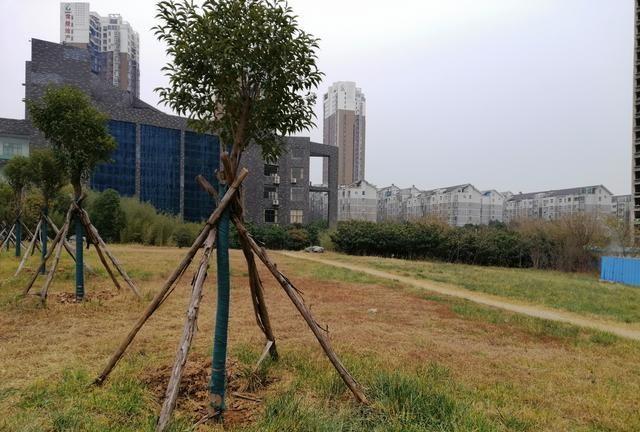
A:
112,42
344,127
635,146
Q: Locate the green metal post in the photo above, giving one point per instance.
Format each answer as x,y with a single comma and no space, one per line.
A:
218,365
44,238
18,238
79,260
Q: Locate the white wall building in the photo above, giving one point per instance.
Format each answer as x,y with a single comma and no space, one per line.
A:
555,204
492,207
358,201
344,126
114,45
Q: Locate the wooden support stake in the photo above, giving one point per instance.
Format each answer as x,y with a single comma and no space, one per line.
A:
29,249
255,284
54,266
8,238
188,333
92,232
54,244
166,288
29,231
68,247
292,292
91,237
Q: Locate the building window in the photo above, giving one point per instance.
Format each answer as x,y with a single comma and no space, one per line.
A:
270,169
296,217
297,174
297,153
271,216
297,194
269,191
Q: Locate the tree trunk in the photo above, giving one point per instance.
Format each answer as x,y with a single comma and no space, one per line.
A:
218,363
166,289
68,247
100,244
292,292
18,237
44,237
79,258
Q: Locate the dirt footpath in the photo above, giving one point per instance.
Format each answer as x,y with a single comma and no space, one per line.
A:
619,329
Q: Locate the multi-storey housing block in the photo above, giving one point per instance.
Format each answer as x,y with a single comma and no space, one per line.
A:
556,204
358,201
344,126
113,44
491,207
621,207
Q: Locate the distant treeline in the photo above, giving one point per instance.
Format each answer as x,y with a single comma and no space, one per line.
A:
127,220
566,244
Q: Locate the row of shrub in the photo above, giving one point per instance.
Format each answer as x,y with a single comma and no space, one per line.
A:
568,244
127,220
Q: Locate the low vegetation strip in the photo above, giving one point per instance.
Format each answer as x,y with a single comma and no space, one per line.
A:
581,293
618,329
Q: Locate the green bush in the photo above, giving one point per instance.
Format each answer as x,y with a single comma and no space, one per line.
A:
560,244
107,215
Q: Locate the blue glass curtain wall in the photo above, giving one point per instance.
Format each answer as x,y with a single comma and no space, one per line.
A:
201,156
120,173
160,168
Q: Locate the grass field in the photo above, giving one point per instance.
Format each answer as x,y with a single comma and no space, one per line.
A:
427,362
579,293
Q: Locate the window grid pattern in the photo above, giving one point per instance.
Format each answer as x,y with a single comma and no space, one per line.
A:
120,173
201,155
160,168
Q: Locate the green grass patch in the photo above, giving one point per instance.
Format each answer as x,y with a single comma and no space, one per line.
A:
574,292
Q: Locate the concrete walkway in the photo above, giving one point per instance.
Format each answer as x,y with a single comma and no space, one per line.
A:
616,328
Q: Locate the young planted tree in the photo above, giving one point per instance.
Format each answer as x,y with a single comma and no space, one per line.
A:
18,176
47,173
245,70
78,135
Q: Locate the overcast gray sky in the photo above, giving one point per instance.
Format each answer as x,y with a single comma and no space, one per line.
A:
517,95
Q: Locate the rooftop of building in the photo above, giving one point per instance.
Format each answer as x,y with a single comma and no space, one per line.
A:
556,192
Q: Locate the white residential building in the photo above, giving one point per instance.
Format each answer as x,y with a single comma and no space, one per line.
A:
457,205
555,204
621,207
492,207
344,126
358,201
113,44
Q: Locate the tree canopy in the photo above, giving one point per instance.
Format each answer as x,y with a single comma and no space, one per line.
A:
76,130
47,173
240,68
18,177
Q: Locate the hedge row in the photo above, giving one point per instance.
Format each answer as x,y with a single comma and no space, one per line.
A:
548,246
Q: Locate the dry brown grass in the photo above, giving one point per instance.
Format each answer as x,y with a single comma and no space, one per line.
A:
548,381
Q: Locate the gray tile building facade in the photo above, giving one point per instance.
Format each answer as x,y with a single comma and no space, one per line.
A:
158,155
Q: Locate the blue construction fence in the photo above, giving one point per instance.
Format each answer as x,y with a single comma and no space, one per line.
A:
621,270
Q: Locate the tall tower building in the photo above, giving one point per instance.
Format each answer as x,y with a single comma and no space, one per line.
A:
112,42
635,146
344,127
